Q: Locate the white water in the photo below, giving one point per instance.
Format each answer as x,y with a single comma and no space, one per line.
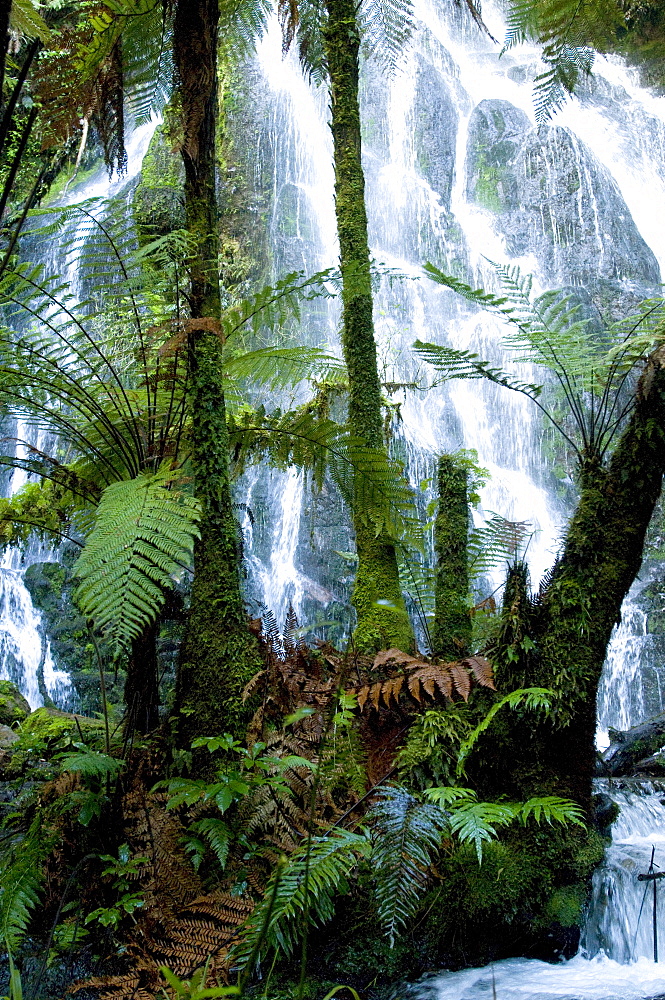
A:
25,650
615,137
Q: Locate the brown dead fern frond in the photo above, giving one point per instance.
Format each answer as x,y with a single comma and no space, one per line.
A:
419,679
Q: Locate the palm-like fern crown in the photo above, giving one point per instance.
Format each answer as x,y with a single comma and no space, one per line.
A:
591,372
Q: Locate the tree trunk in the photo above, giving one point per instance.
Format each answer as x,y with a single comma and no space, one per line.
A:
5,13
142,684
385,624
451,632
219,654
572,620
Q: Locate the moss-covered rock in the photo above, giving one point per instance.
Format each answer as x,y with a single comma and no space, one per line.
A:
13,706
158,198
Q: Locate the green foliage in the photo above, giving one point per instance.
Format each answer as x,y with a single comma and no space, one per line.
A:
143,536
305,883
568,30
121,871
407,834
195,988
385,29
432,744
208,833
97,771
476,822
590,372
21,876
26,20
529,698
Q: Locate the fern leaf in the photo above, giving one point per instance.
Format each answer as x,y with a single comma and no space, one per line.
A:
551,809
218,836
530,698
144,534
476,822
26,20
406,835
307,882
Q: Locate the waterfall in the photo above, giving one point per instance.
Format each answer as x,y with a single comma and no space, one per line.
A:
457,173
25,650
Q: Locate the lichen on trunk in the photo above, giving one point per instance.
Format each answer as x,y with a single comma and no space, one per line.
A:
377,596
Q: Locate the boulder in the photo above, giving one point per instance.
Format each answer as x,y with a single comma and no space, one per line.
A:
13,706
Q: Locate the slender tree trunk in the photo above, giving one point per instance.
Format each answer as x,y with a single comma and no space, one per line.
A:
386,624
219,654
142,684
451,632
5,13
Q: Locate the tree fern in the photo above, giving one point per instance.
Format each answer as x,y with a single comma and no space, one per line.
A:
307,882
406,835
144,534
547,331
568,30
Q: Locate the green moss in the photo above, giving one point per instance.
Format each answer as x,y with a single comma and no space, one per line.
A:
158,198
13,706
378,575
49,724
451,632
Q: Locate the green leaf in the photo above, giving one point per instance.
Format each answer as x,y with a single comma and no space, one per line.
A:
143,537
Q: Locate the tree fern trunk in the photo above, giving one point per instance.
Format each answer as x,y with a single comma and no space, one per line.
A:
142,683
219,654
378,577
451,632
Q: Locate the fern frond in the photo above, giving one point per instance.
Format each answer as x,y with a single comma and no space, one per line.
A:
531,699
217,834
406,835
307,882
476,822
144,534
386,27
569,31
26,20
91,764
21,877
551,809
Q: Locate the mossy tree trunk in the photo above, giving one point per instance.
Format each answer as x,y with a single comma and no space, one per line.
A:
141,693
387,623
219,654
559,641
451,631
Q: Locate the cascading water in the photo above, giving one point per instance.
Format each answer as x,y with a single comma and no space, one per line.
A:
25,650
458,173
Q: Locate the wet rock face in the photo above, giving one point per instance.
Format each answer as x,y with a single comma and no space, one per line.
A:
435,131
13,706
554,200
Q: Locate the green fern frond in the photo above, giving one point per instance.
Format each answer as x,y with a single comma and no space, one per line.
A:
26,20
21,877
144,535
91,764
551,809
308,882
407,833
493,543
217,834
386,27
569,31
532,699
476,822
